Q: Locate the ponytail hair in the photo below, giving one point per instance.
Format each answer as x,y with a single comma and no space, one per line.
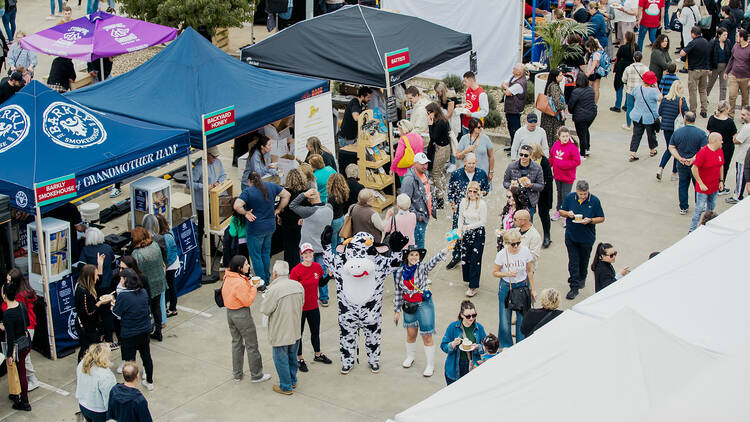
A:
255,179
600,249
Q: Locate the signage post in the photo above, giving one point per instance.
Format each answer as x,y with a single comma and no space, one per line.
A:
213,122
394,60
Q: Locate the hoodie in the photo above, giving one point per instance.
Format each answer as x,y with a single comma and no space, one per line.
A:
127,404
564,160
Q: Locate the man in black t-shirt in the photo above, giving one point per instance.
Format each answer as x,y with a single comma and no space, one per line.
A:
11,85
348,132
697,53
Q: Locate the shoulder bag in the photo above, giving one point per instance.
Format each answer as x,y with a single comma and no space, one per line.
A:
346,229
394,238
542,104
657,120
23,343
518,299
218,297
679,121
407,160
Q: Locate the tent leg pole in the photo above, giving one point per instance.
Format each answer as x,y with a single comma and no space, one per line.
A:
45,281
389,126
206,206
189,170
101,67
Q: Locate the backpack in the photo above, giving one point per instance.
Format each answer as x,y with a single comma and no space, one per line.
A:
605,65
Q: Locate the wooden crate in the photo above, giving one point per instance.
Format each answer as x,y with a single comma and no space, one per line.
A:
219,216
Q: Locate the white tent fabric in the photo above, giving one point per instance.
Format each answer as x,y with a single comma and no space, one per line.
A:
735,218
620,367
495,33
717,393
696,291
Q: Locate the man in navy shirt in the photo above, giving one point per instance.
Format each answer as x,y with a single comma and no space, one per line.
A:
582,211
684,144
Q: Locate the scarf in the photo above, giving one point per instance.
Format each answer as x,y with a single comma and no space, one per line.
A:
408,273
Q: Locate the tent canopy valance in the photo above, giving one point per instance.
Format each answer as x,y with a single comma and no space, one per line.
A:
349,45
45,136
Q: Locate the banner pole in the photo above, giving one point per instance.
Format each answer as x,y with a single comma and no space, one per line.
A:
523,22
45,280
206,209
389,126
189,168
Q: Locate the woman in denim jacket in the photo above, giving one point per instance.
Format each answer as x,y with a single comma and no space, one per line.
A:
461,357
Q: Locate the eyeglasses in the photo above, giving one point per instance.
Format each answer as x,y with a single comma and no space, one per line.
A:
471,316
524,155
514,244
473,191
509,197
613,254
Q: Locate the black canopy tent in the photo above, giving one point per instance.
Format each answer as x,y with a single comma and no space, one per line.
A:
349,45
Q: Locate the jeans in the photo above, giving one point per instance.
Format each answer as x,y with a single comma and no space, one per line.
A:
155,305
91,416
728,150
92,6
344,142
463,369
514,123
244,339
171,291
582,129
9,22
642,30
697,85
419,233
52,6
578,262
618,97
667,155
285,359
667,16
503,331
322,290
259,247
473,248
139,343
703,202
736,87
313,320
683,185
336,225
457,249
739,187
629,103
638,129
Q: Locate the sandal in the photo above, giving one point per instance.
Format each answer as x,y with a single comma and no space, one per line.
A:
653,152
633,158
171,314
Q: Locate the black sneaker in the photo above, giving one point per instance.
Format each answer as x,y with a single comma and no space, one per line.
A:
615,109
19,405
323,358
572,293
703,114
731,200
451,265
374,368
301,365
345,369
324,303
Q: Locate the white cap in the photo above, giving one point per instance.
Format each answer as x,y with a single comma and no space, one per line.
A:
421,158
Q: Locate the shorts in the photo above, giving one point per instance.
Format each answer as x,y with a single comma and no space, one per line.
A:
424,318
594,76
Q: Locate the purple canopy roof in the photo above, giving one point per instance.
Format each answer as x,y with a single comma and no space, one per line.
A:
97,36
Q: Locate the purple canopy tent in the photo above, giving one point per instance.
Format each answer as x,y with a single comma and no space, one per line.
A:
97,36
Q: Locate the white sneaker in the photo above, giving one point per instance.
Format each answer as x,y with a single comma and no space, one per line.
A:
119,368
149,385
115,193
265,377
625,127
408,362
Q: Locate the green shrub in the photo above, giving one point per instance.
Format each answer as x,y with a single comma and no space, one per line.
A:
454,82
491,99
494,119
530,93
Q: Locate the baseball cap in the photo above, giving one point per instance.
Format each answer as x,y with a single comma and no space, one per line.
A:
305,247
213,151
531,118
421,158
18,77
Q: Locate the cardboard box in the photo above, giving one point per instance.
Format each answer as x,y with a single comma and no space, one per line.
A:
54,264
62,240
36,266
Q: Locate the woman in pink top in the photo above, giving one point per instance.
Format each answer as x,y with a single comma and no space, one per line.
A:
564,159
406,130
404,221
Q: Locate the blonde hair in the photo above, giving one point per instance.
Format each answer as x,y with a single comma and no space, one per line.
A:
97,354
307,170
511,235
594,5
722,106
295,181
338,189
405,126
550,298
403,202
364,196
536,152
473,185
316,161
441,91
677,90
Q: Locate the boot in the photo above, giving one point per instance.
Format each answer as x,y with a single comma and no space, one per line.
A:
429,353
411,350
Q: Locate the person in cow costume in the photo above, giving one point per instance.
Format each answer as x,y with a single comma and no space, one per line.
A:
360,268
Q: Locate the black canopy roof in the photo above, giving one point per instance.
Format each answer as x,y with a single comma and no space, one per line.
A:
349,45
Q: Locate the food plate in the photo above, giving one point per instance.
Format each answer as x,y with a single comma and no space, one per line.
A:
106,297
466,349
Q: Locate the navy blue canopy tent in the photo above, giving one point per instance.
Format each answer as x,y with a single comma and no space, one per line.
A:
191,77
44,136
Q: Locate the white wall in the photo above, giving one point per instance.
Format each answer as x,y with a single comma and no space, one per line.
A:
494,26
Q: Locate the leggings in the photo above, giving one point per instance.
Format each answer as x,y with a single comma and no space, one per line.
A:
544,216
171,292
139,343
155,304
313,320
563,189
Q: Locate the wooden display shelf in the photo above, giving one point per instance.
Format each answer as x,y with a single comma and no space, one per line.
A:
388,180
377,164
350,148
365,141
380,205
218,221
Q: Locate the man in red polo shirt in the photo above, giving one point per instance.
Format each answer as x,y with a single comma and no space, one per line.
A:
708,171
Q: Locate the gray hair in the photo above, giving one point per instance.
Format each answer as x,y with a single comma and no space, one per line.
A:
405,126
403,201
151,224
690,117
470,155
94,236
364,196
281,268
351,170
582,186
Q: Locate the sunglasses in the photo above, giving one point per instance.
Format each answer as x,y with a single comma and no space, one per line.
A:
524,155
473,191
514,244
612,254
509,197
471,316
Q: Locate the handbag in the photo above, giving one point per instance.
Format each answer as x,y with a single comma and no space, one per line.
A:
23,343
674,23
394,238
218,297
14,382
542,104
657,120
410,307
346,229
407,160
679,121
518,299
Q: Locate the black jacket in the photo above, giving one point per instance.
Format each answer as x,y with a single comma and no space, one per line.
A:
716,49
534,319
582,105
545,198
604,275
127,404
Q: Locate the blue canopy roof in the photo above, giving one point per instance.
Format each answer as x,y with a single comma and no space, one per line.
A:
191,77
45,136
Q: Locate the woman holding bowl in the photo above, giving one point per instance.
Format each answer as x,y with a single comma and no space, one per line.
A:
462,342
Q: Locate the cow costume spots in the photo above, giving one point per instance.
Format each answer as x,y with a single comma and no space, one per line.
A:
360,269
